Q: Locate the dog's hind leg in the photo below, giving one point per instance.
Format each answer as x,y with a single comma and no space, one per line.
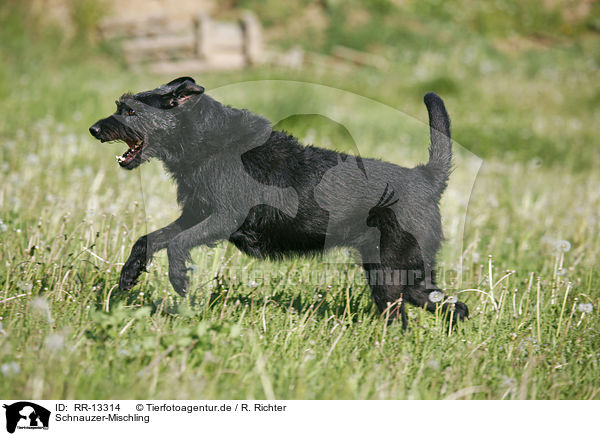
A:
404,262
386,291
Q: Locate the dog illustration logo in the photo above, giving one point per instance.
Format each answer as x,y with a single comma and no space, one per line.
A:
26,415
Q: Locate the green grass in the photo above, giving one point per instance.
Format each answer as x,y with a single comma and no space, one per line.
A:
305,328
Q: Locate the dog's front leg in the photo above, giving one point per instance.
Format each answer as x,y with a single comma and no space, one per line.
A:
212,229
145,247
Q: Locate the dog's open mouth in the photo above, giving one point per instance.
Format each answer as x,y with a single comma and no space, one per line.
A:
135,149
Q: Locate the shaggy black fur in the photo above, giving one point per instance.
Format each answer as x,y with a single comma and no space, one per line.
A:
239,180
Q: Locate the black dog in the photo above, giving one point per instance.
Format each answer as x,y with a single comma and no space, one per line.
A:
239,180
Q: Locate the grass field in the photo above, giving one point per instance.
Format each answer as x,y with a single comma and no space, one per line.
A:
306,328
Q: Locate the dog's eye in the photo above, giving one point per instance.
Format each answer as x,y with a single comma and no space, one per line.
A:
130,112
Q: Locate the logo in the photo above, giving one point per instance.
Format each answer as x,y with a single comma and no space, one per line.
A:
26,415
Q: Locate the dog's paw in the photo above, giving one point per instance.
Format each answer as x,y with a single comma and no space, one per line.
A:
131,271
179,280
459,312
135,265
130,274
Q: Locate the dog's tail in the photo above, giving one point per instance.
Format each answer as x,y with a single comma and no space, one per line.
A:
440,151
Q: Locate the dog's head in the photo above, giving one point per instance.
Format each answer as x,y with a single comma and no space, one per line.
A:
179,124
143,120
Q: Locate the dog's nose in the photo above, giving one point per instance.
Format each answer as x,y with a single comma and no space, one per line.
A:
95,130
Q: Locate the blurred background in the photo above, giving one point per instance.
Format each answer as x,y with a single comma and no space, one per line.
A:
520,77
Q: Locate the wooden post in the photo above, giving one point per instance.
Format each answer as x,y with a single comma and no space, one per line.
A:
196,43
201,30
253,49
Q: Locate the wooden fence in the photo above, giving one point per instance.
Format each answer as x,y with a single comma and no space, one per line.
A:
166,46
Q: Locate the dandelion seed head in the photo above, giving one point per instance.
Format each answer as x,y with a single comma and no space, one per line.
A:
40,304
10,368
434,364
585,307
436,296
452,299
508,382
32,159
54,342
562,245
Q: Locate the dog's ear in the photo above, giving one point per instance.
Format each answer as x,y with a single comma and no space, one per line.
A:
179,90
179,80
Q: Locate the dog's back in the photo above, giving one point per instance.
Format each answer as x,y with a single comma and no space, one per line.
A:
336,192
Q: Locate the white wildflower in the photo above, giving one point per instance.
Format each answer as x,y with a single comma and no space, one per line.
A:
561,271
585,307
436,296
32,159
562,245
10,368
508,382
434,364
41,306
54,342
